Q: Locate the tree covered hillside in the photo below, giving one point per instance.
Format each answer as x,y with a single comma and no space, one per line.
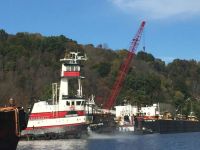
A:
29,64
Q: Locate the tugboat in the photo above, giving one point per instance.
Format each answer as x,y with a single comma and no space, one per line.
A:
13,121
65,116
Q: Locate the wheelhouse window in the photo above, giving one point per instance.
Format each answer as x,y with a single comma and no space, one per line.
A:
72,102
68,103
82,102
77,68
67,68
78,103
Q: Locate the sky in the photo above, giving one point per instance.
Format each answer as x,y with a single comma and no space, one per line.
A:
171,31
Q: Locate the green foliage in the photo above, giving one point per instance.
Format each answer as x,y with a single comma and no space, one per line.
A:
3,35
145,56
159,65
178,98
145,87
103,69
47,93
29,63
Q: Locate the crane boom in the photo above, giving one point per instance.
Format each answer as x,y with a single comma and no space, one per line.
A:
124,69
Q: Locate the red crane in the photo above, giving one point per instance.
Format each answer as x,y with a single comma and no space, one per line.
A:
124,69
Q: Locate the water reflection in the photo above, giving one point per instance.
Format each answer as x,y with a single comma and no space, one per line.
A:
181,141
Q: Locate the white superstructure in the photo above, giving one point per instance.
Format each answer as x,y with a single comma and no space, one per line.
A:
125,117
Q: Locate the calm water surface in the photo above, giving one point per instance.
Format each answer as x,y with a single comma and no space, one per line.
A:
181,141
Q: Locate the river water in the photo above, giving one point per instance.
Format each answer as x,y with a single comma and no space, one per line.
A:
181,141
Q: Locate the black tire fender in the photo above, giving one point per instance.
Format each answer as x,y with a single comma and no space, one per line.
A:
54,136
47,136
